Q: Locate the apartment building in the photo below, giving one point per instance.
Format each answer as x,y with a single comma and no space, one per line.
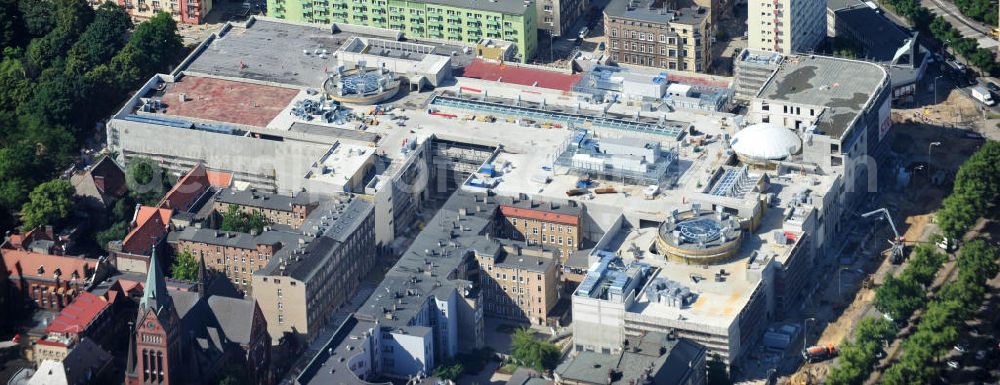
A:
653,33
235,255
184,11
453,20
554,225
278,209
519,283
303,284
558,17
786,26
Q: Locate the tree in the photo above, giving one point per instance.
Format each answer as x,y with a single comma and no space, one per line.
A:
238,220
36,16
116,232
449,371
145,181
717,372
11,28
156,41
533,353
899,297
49,203
924,265
101,40
185,267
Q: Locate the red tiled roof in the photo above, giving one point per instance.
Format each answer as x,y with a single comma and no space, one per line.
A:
220,179
23,263
539,215
77,317
150,225
511,73
187,190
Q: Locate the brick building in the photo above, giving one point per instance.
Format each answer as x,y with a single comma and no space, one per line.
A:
51,281
236,255
279,209
551,224
519,283
655,33
184,337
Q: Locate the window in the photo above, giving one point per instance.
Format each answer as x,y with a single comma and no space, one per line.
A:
569,241
279,293
614,32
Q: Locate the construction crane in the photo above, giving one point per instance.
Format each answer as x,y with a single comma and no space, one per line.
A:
896,250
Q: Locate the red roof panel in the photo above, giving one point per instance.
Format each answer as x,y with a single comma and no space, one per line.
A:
509,73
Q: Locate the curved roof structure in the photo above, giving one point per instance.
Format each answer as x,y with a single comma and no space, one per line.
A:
766,141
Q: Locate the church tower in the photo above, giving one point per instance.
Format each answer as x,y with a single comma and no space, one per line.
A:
154,352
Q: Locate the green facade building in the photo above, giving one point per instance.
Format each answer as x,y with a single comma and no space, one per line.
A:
456,20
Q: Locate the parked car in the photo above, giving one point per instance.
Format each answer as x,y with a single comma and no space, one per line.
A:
953,364
993,87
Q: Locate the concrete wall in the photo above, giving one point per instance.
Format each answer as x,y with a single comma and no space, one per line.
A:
294,302
408,354
266,164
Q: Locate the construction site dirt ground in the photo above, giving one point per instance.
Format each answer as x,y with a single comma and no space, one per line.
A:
928,144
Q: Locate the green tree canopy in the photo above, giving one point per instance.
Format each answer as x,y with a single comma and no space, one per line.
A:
50,203
116,232
899,297
185,267
234,219
534,353
145,180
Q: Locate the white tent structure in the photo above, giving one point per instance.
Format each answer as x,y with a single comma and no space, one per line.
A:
765,142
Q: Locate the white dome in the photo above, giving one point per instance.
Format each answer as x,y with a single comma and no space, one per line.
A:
766,141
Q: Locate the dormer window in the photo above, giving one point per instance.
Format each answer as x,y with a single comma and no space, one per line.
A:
41,269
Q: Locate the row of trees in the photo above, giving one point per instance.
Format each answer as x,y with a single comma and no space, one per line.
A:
64,66
977,186
900,296
945,33
946,314
981,10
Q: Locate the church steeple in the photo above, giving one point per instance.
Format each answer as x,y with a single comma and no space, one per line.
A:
130,363
155,294
202,278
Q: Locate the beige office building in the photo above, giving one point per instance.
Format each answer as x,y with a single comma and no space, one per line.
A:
786,26
302,285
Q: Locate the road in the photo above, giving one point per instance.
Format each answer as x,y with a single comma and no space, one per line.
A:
966,26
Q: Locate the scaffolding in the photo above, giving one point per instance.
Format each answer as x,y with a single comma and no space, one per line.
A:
622,168
671,130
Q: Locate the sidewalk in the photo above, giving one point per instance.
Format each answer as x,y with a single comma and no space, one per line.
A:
967,27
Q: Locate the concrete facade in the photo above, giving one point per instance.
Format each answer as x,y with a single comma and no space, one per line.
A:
304,283
465,22
786,26
558,17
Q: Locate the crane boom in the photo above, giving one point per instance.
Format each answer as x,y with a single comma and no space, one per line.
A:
888,217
